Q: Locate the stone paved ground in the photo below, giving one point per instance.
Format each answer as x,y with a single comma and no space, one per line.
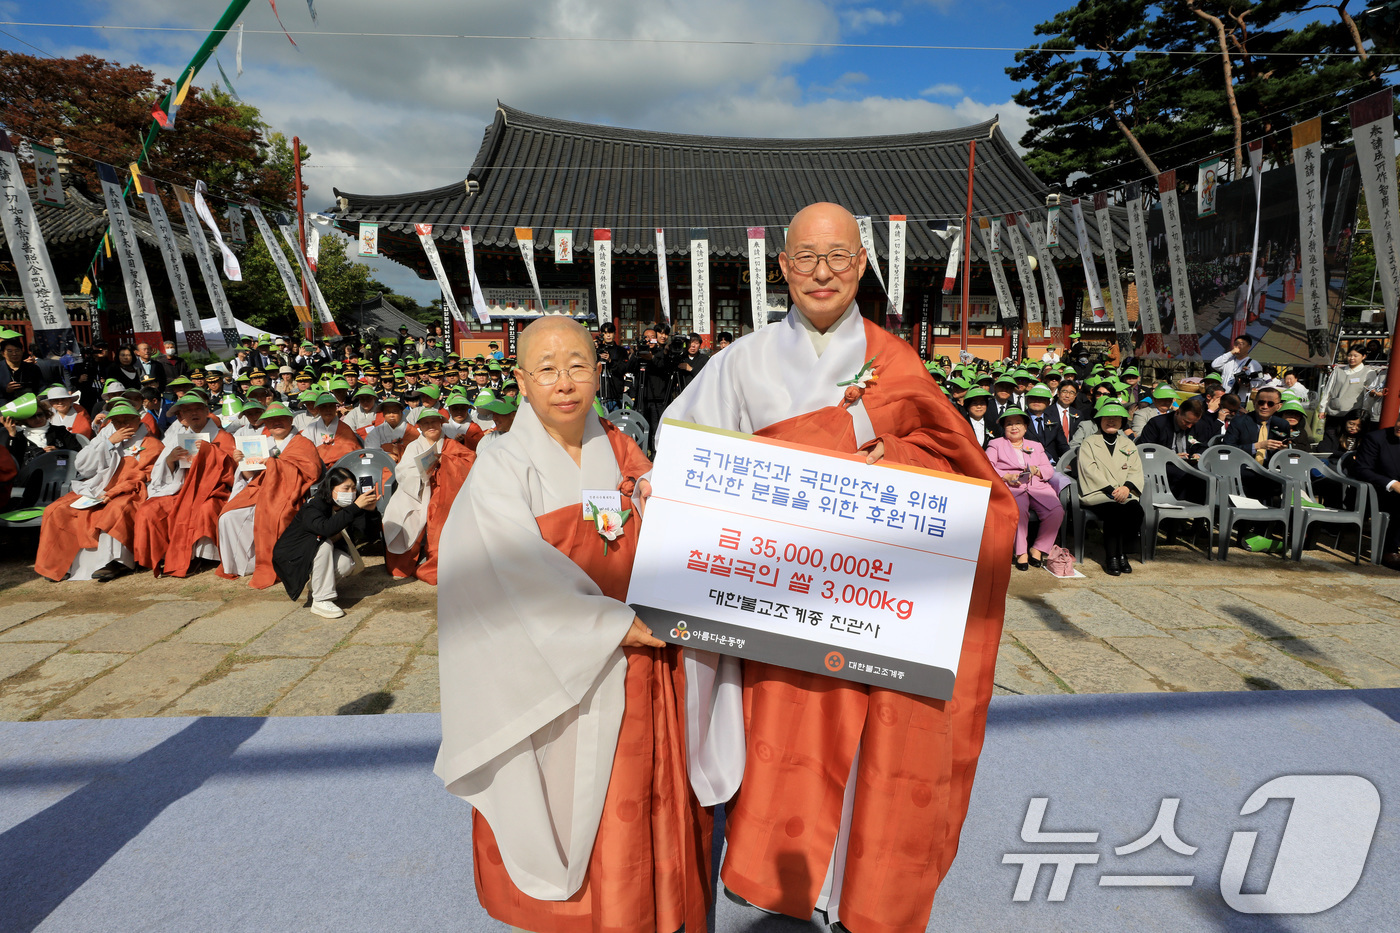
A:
207,646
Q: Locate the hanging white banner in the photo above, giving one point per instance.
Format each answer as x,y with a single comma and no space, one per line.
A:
867,240
145,322
602,273
1371,127
950,272
894,320
525,239
1307,164
1052,224
279,259
42,296
174,262
1176,262
758,275
700,278
1207,187
1255,285
479,308
235,224
1121,326
1023,270
1086,256
313,241
318,301
1050,279
662,284
47,177
1142,270
201,207
563,247
1006,304
204,259
425,237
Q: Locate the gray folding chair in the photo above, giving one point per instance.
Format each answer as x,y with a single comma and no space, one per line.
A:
1228,464
1299,466
1078,515
1159,503
53,473
1380,521
372,462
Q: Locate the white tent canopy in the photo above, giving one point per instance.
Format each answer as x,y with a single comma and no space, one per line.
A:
214,335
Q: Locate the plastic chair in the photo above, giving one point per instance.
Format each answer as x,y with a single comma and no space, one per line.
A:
372,463
1299,465
1228,464
54,472
1158,501
632,423
82,440
1380,521
1077,514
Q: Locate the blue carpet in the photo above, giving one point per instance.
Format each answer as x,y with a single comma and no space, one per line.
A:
338,824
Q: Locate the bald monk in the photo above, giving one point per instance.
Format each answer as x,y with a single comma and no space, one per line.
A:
561,714
333,438
867,835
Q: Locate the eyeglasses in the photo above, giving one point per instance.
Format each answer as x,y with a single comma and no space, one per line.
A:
549,375
1260,403
838,261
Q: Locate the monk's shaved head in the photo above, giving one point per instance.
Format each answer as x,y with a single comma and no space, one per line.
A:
530,338
831,233
823,216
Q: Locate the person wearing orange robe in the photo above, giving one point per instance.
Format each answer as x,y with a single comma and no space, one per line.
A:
66,413
393,434
561,714
179,521
850,798
95,543
331,436
406,518
263,502
452,468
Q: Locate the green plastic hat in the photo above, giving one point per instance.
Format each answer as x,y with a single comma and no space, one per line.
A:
190,399
122,407
430,391
1040,390
1005,380
1130,371
252,407
457,398
1020,374
1106,400
22,408
959,382
974,394
1295,408
1013,413
1163,391
275,410
366,391
391,400
338,383
429,414
308,397
113,387
325,398
179,382
488,401
1111,410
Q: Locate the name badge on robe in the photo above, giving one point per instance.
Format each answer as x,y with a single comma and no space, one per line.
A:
607,500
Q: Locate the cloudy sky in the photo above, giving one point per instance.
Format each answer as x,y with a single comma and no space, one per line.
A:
385,114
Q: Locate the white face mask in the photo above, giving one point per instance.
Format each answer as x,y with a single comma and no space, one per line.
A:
344,499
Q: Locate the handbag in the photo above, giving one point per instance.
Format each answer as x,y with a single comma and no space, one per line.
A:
1059,561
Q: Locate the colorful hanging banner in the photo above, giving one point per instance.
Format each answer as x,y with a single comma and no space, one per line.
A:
1371,127
1121,326
867,240
145,321
284,268
164,109
955,248
236,233
662,284
43,298
1253,291
47,176
894,319
1086,257
1207,187
1006,304
700,279
602,273
1052,222
204,259
201,208
758,276
1152,344
525,239
425,237
1176,263
483,315
174,262
318,300
1029,293
369,238
563,247
1307,165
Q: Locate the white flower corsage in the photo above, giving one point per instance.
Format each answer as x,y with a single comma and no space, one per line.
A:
855,388
609,523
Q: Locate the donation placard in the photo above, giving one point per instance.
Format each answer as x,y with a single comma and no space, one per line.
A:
809,559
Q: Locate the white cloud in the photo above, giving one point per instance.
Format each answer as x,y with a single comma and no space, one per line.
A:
941,90
867,17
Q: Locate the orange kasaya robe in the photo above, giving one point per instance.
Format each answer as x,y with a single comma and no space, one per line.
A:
472,436
65,531
82,424
167,528
917,755
396,448
149,420
8,471
345,442
453,465
275,494
650,867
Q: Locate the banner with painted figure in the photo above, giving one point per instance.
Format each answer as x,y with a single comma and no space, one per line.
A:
1217,251
47,177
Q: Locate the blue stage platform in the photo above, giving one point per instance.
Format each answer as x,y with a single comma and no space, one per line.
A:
338,824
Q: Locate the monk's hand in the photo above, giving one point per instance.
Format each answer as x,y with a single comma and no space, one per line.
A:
122,435
176,455
640,495
877,453
237,455
639,636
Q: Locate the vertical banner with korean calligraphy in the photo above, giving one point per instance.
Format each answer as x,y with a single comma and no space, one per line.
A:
1176,263
369,238
1307,165
1207,187
43,298
1254,289
758,275
201,207
1122,329
235,225
663,285
1371,127
1005,302
894,319
1152,345
174,262
563,247
284,268
700,279
1029,293
46,176
867,240
525,239
318,300
955,248
1086,257
449,301
602,273
1049,278
1052,223
204,259
145,322
479,308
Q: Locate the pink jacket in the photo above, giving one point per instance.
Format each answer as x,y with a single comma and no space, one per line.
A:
1007,459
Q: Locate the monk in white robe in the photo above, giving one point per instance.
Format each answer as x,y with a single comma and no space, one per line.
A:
406,516
394,433
561,713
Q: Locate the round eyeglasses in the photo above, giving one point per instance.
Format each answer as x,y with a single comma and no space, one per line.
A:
837,260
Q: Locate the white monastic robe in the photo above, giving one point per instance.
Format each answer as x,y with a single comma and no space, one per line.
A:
381,434
357,418
406,516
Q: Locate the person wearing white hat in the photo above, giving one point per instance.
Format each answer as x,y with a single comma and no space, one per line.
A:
65,411
26,421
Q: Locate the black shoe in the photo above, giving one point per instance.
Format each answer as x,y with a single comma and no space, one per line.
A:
1025,566
113,570
1036,561
1110,566
1123,564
